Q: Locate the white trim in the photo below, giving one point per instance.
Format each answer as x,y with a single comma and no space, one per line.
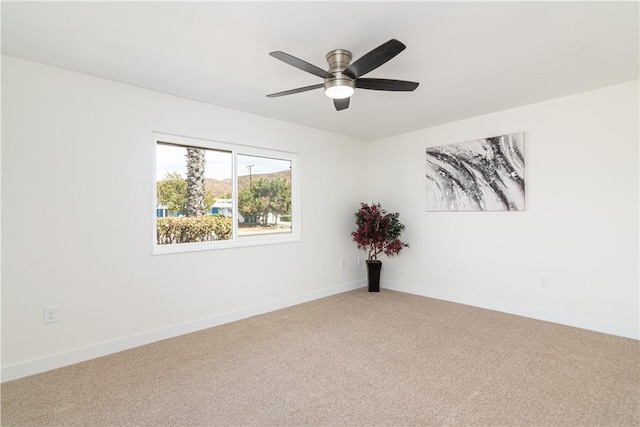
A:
47,363
241,242
518,310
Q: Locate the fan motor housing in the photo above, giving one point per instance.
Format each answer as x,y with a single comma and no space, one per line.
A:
339,60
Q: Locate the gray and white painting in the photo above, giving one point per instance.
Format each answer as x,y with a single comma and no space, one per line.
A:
479,175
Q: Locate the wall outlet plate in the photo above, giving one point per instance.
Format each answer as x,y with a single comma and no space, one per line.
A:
50,315
544,282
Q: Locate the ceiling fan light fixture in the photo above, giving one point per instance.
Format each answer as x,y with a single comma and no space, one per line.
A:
342,77
339,88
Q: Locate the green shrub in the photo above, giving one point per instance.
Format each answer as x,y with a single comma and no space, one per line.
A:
193,229
285,218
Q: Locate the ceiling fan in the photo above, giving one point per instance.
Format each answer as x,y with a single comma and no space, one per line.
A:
343,77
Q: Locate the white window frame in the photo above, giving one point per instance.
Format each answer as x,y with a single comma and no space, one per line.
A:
235,241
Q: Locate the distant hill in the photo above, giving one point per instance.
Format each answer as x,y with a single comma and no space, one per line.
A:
222,188
216,187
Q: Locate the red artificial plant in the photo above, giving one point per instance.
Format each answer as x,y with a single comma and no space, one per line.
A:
378,231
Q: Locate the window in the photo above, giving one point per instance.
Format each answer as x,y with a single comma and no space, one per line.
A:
210,195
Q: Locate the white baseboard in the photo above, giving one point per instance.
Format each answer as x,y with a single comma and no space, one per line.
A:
35,366
530,312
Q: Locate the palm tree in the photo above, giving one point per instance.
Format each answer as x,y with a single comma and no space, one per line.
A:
195,182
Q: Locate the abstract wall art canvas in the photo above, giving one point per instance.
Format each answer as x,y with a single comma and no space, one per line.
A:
480,175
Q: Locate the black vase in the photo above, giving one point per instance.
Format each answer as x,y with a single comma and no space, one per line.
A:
373,275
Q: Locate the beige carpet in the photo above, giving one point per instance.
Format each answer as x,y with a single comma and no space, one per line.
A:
351,359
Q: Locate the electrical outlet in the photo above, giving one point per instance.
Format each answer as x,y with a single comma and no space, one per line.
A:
359,261
341,263
50,315
544,282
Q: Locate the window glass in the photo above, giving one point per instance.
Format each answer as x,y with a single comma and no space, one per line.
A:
264,195
193,194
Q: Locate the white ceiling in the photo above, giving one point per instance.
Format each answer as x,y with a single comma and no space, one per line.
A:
471,58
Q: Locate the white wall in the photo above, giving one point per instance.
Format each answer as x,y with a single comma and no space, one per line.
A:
74,144
580,227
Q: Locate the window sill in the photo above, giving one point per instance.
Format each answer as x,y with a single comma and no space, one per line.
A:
242,242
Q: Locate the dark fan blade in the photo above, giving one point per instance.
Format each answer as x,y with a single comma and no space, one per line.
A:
300,64
298,90
386,84
341,104
374,59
